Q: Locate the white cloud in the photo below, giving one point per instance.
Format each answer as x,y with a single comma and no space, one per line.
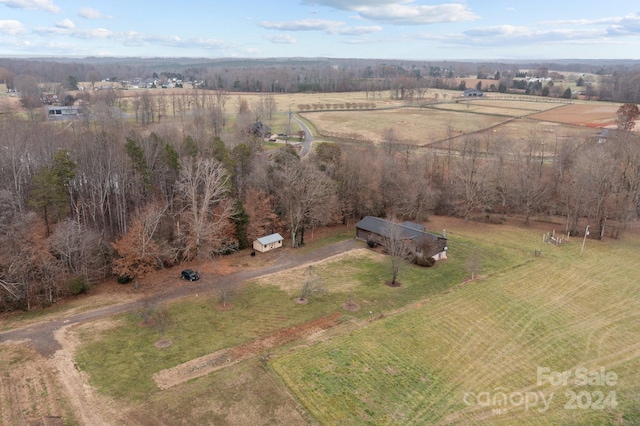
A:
356,30
329,27
402,12
90,13
302,25
66,24
94,33
351,4
281,39
46,5
11,27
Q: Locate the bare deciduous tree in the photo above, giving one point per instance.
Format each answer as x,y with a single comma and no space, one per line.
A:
396,246
204,187
306,196
311,285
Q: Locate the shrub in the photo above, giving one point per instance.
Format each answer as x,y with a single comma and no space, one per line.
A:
78,285
424,261
123,279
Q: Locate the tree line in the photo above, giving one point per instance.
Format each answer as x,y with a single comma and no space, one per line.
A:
404,79
102,196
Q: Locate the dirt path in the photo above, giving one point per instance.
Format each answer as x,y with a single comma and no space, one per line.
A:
89,406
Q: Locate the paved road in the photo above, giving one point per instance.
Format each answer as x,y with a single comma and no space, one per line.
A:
308,136
41,334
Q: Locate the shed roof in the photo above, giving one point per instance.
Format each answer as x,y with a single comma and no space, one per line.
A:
270,239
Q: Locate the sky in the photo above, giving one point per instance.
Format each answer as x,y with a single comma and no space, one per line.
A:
376,29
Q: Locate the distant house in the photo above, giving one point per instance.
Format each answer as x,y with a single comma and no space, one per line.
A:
267,243
470,93
375,229
260,129
61,112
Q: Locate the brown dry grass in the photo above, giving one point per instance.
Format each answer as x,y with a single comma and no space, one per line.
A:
590,115
417,126
29,389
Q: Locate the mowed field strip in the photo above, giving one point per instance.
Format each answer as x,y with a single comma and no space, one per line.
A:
561,311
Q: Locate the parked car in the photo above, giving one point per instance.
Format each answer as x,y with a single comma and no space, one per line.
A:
190,275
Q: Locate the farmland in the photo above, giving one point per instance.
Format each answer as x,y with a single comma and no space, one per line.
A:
408,355
562,311
427,352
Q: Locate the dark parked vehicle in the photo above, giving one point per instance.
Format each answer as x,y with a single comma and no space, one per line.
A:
189,275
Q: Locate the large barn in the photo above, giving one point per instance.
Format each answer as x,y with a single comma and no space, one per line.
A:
375,229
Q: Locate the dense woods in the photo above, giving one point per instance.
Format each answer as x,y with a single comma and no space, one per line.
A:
113,197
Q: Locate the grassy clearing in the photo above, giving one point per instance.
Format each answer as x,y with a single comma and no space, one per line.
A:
122,360
582,114
413,125
561,311
517,109
515,104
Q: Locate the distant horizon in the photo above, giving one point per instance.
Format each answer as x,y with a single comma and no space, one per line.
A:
470,30
311,58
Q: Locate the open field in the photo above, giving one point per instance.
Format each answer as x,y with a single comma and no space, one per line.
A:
513,120
409,355
561,311
122,360
417,126
518,132
512,102
491,107
591,114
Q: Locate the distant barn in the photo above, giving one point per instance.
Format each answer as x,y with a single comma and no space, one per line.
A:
471,93
61,112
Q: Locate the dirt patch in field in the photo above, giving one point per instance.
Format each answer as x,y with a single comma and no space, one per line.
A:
29,390
34,387
351,306
90,407
204,365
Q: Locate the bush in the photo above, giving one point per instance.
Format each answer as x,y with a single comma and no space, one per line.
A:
424,261
78,285
371,243
124,279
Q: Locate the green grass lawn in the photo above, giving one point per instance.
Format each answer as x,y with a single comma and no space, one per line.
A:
416,362
122,360
561,311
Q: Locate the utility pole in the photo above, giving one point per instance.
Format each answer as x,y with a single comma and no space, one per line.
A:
584,240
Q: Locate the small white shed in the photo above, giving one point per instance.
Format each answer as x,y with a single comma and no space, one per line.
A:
267,243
